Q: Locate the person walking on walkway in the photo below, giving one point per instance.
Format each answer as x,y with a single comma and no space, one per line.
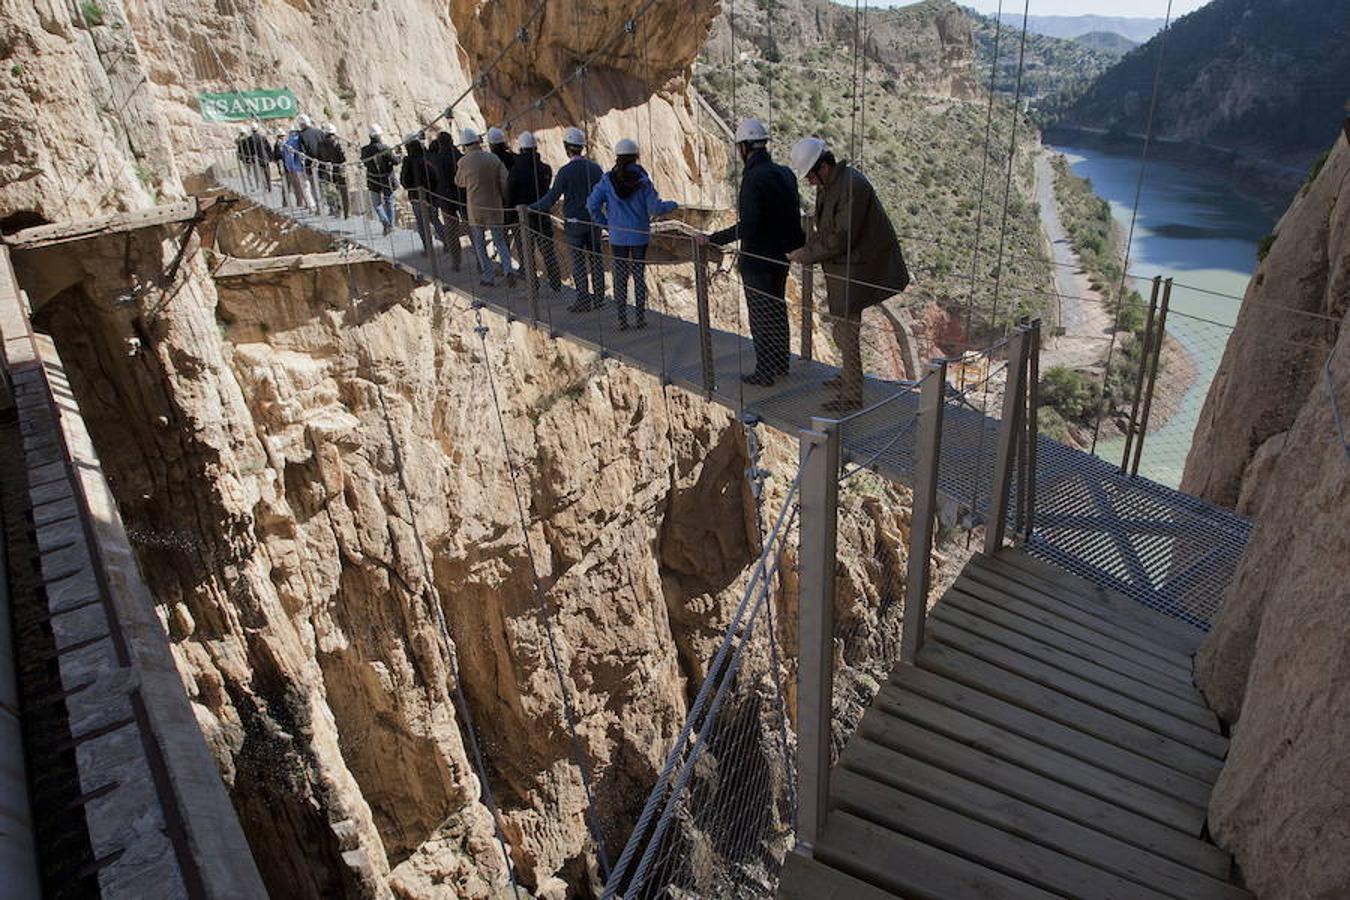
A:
333,172
856,245
243,155
483,178
418,179
293,161
378,158
501,148
526,183
573,185
448,203
625,202
260,155
310,139
274,154
768,227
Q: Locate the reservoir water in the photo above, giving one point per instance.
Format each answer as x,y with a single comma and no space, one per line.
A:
1195,228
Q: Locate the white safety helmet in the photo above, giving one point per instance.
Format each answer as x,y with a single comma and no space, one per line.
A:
376,130
574,136
468,137
412,137
329,128
526,141
304,121
255,127
805,154
626,147
751,131
243,129
496,136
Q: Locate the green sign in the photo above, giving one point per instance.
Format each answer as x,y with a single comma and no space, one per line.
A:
244,106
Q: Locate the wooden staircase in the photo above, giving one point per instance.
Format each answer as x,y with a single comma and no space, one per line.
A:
1048,742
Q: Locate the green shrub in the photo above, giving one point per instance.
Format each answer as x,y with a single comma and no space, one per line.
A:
1263,247
92,13
1072,394
1051,424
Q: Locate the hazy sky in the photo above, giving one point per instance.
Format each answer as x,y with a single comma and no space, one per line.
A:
1141,8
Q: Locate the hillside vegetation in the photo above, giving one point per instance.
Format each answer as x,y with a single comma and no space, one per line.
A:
1263,77
921,147
1106,42
1055,70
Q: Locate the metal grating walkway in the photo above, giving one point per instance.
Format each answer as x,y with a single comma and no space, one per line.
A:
1162,548
1047,742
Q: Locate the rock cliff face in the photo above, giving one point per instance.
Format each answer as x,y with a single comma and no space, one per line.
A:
1270,441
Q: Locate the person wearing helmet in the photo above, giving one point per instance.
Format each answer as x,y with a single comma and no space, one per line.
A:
527,181
483,178
448,203
260,154
625,202
274,154
501,148
242,151
378,158
310,139
855,243
293,161
418,180
332,162
573,185
768,226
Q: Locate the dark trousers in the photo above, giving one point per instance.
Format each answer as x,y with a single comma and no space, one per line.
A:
765,290
449,226
588,266
630,262
541,230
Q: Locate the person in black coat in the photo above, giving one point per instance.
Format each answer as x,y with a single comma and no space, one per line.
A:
497,145
310,138
418,178
448,202
527,181
333,172
769,227
378,158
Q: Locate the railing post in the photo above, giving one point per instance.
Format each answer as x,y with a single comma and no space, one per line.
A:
921,522
1139,381
704,320
1153,365
1033,425
808,297
527,260
1008,430
815,626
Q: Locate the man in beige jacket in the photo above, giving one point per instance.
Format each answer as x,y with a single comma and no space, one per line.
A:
483,178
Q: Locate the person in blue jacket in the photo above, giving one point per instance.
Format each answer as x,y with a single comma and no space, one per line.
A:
293,161
573,185
625,202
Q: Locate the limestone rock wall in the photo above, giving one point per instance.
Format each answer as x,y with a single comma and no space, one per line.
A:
1276,664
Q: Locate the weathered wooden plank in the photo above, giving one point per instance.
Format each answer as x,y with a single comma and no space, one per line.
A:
1172,671
1062,682
1066,710
1062,738
63,232
1080,612
1024,820
1181,636
1092,672
983,844
899,703
974,764
804,878
238,267
912,868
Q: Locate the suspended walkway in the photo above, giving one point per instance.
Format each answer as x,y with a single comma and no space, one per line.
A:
1047,741
1165,549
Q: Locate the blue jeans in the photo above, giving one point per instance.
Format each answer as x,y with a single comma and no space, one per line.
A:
588,266
383,201
630,262
478,237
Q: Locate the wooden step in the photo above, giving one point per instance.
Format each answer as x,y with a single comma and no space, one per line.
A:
1071,741
1090,671
903,706
1067,634
1005,685
1182,636
804,878
1023,820
1145,648
911,868
982,844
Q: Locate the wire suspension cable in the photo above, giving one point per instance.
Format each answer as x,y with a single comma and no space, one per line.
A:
984,172
1012,156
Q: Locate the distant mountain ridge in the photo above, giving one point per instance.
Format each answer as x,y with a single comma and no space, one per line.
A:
1136,29
1053,70
1107,42
1267,78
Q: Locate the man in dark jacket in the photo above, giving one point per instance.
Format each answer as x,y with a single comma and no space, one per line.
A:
242,148
310,139
769,227
573,184
419,180
378,158
333,172
448,201
500,148
260,155
525,183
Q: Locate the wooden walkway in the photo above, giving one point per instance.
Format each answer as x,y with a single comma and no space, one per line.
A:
1047,743
1164,549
